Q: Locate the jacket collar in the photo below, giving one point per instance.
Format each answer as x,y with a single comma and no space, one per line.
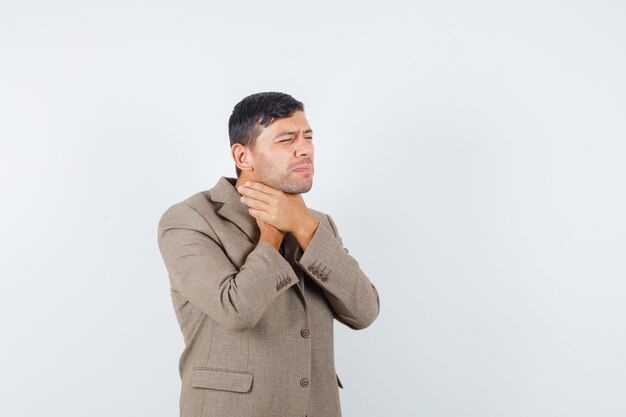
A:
233,209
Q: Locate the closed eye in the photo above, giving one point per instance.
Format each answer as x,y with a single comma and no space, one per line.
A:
288,140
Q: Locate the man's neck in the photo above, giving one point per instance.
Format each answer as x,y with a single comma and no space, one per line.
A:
242,179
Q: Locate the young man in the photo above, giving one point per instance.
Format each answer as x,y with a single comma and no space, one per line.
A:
257,277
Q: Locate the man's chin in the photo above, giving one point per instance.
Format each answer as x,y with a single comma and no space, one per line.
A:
299,187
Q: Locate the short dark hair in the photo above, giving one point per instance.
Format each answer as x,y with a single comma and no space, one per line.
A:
256,110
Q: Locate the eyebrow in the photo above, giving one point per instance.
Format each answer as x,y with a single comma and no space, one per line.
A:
291,132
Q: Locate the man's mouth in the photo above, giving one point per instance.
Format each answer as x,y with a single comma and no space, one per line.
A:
304,168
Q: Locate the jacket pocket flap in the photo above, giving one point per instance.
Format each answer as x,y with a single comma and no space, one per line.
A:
221,379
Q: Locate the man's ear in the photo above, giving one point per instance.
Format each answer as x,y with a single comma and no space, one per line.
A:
242,156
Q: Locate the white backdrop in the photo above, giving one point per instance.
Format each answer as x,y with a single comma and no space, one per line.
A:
471,153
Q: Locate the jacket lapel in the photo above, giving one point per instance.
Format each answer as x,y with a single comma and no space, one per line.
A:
233,209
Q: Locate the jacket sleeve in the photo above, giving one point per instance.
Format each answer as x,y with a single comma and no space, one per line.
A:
201,271
353,298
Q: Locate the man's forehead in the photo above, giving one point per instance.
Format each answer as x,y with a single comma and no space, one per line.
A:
289,125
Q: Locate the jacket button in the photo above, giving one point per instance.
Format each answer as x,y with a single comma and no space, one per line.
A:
305,332
304,382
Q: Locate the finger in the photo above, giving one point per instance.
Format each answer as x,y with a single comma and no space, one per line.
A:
257,194
254,203
259,186
257,214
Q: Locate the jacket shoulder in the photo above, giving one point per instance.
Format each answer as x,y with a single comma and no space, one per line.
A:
195,211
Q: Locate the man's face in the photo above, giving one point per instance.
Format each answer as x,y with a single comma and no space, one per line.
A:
282,147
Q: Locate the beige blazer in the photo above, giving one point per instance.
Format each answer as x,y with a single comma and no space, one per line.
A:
257,326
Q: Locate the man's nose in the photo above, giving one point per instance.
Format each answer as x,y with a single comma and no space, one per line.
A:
303,146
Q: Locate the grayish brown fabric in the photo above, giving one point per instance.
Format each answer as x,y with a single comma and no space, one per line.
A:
257,326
